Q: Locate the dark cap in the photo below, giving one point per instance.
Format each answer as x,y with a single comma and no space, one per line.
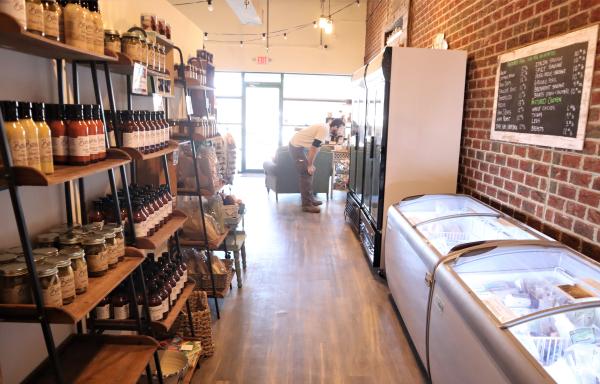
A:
38,112
24,110
9,110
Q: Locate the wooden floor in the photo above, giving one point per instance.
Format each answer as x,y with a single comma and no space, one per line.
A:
310,311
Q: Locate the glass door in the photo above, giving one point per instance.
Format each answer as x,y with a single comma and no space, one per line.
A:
262,124
376,173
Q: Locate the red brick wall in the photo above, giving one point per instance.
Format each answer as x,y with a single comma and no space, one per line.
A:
555,191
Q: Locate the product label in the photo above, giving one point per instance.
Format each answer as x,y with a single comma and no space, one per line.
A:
97,263
60,146
99,35
113,254
93,142
143,139
130,140
112,139
18,151
79,146
90,29
74,27
33,153
45,149
16,9
121,313
102,312
81,278
52,295
18,294
51,24
100,143
67,285
156,313
35,16
140,229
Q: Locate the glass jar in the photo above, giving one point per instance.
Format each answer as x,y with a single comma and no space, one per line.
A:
80,272
95,254
45,240
45,252
14,284
112,41
112,248
6,258
35,16
66,277
52,16
69,240
75,24
50,284
131,45
93,227
36,258
120,239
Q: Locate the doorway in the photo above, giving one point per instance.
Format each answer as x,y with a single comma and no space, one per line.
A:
262,124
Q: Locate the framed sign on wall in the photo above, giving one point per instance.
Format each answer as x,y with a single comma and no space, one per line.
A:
542,91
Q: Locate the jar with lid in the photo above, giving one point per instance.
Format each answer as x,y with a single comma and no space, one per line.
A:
77,130
16,10
35,16
66,277
50,284
120,304
102,310
112,41
46,252
52,16
69,240
75,23
112,248
37,258
80,272
47,240
131,45
119,238
95,254
6,258
58,130
14,284
17,135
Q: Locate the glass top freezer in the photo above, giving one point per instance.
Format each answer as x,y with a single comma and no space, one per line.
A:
423,208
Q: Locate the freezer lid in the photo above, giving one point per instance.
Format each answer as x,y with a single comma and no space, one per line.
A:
518,281
448,233
566,345
419,209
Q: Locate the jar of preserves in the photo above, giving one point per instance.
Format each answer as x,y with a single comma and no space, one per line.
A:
6,258
112,41
66,277
112,251
119,238
77,130
75,24
35,16
50,284
93,227
95,254
47,240
69,240
52,16
14,284
131,45
102,310
80,272
46,252
37,258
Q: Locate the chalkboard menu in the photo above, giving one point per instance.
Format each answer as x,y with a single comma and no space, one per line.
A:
542,91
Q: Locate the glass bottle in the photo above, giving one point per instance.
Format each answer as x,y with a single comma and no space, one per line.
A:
58,129
100,135
142,132
139,219
110,128
102,310
52,13
15,132
35,16
120,304
92,133
151,225
98,27
131,131
164,296
166,126
96,214
77,130
33,143
95,255
155,304
75,24
45,139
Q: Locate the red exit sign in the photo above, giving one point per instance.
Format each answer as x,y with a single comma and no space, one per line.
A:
262,60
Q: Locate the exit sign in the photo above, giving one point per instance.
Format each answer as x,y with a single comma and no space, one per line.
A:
262,60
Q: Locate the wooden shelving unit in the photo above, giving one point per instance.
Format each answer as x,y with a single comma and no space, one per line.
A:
96,359
187,379
62,173
193,136
137,155
13,37
164,233
98,288
192,84
212,245
161,326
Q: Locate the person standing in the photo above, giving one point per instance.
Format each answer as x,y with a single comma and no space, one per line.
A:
304,147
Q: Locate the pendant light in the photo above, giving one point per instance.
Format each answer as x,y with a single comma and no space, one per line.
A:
210,6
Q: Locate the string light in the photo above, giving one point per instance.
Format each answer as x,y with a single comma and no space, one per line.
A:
241,43
285,36
264,36
358,3
315,25
328,27
205,35
210,5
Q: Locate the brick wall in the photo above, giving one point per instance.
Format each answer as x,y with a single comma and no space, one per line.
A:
555,191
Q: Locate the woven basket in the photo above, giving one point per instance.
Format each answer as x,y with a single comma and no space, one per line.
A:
201,321
221,280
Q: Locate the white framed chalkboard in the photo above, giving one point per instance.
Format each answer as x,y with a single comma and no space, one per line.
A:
543,91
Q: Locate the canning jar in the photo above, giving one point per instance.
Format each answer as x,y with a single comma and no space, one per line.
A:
66,277
6,258
35,16
45,252
112,41
95,254
50,284
112,248
80,272
52,15
120,239
131,45
47,240
37,258
69,240
14,284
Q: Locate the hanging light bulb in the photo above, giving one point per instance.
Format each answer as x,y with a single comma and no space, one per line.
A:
205,35
210,5
358,3
315,24
285,36
322,22
328,27
241,44
264,36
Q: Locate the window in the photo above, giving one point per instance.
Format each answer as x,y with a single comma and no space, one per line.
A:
263,77
319,87
228,84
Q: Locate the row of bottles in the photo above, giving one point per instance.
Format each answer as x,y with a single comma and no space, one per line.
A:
164,280
152,208
145,131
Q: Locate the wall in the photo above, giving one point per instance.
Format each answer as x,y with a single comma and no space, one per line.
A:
25,77
555,191
300,53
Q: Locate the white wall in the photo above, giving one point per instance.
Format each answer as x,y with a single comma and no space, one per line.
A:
300,53
25,77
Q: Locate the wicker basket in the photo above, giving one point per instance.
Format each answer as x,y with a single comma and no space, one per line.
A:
201,321
221,280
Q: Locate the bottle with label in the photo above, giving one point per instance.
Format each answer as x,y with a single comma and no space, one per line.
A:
31,128
96,214
164,296
143,144
131,131
155,304
52,16
92,134
112,140
45,139
16,10
15,132
139,219
120,304
102,310
58,129
77,131
35,16
98,31
166,126
75,24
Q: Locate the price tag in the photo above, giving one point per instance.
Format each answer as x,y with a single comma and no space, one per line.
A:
139,81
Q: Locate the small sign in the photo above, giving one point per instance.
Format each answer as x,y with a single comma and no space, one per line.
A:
188,104
139,81
262,60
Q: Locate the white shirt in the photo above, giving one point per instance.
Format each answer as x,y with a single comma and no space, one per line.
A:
306,136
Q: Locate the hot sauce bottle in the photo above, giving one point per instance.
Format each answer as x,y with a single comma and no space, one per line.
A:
143,144
77,129
60,140
17,137
92,133
33,143
45,138
131,136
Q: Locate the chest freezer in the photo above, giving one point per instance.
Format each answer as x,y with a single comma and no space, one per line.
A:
421,233
508,312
